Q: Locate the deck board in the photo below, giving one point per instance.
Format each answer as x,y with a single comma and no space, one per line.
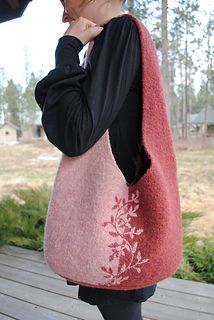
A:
30,290
4,317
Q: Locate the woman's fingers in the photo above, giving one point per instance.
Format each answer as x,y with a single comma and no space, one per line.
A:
84,29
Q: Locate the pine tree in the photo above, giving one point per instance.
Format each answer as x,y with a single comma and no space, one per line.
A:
12,97
29,107
184,43
209,72
2,95
165,50
140,9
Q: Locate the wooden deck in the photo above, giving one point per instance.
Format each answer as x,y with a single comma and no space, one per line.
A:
29,290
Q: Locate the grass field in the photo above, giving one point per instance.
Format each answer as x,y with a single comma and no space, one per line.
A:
24,165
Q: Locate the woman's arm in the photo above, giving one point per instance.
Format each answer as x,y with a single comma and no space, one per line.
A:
79,104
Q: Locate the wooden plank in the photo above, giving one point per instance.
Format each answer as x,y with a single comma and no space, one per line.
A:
41,282
55,302
163,295
166,312
38,281
21,310
23,253
188,286
77,308
182,300
4,317
174,284
26,311
32,266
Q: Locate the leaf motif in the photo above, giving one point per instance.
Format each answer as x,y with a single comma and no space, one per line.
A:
111,257
105,224
120,223
126,229
134,247
117,281
115,206
110,270
138,270
123,268
122,253
113,234
136,208
138,255
124,201
144,260
133,214
104,269
116,198
114,245
112,219
130,209
127,247
139,231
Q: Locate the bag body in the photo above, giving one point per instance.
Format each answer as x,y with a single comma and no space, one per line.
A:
103,232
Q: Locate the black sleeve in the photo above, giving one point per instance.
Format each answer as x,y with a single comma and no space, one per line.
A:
79,105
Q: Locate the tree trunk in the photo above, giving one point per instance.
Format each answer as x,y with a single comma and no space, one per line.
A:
164,51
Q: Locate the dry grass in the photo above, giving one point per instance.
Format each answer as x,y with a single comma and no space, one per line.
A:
24,165
196,181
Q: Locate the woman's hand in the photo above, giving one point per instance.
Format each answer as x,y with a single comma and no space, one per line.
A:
83,29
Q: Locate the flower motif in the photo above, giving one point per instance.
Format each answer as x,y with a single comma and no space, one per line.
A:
120,222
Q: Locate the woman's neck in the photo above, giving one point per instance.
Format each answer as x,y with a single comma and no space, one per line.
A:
101,12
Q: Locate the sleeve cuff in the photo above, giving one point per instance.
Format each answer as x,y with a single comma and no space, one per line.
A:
67,51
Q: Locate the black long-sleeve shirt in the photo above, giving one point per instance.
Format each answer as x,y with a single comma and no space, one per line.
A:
78,105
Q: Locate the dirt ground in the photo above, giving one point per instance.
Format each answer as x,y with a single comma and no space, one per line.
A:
33,164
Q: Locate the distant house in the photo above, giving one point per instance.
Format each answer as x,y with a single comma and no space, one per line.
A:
35,132
9,133
196,122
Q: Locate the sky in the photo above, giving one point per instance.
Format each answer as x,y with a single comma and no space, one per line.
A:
35,36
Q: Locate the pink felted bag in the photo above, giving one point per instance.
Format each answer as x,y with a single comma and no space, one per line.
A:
103,232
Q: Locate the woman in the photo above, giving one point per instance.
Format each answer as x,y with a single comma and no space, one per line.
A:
114,76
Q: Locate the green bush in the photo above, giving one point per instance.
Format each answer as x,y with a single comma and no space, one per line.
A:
201,257
22,224
198,260
198,254
22,221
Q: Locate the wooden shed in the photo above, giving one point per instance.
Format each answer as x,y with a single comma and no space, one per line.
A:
197,122
9,133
